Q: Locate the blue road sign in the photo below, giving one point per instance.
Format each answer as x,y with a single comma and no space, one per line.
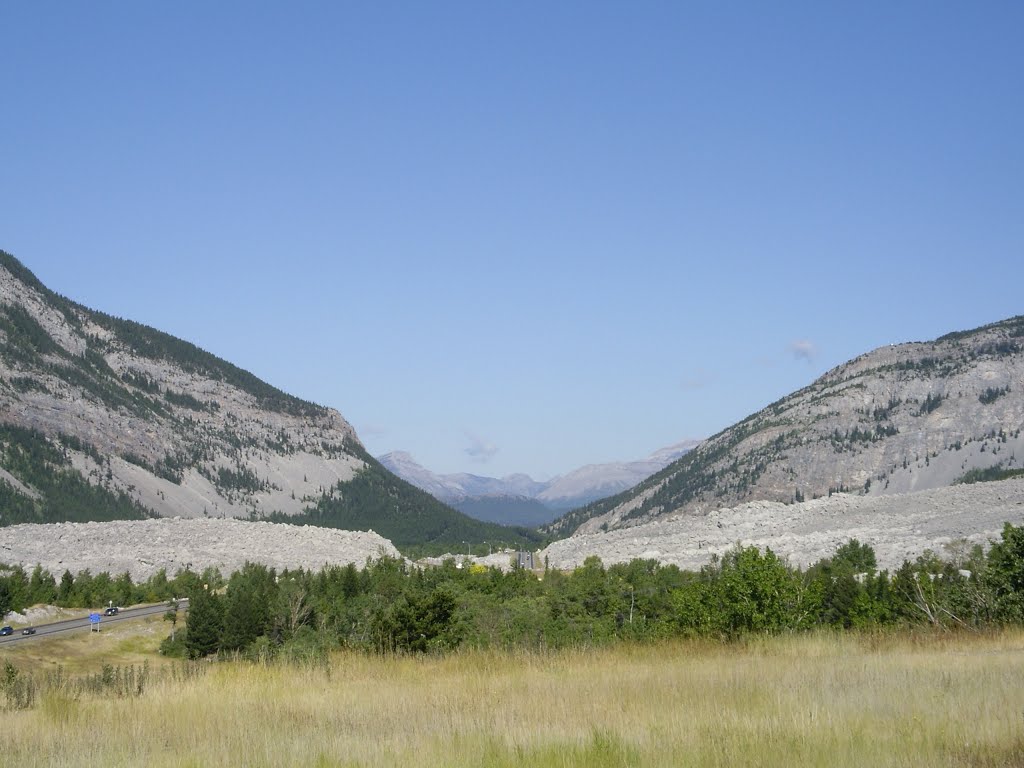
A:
94,618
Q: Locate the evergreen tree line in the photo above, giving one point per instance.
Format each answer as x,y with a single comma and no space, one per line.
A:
20,589
389,606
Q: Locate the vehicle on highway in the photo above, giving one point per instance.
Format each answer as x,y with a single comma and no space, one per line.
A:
111,611
4,631
28,631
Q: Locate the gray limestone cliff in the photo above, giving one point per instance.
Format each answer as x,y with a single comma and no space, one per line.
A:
154,418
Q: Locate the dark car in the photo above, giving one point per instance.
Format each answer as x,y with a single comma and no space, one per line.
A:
28,631
112,611
4,631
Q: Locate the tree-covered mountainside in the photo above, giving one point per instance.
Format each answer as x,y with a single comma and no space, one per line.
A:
901,418
413,520
60,494
27,337
103,418
506,510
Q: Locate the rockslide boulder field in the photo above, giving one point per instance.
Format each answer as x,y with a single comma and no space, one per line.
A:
899,527
142,547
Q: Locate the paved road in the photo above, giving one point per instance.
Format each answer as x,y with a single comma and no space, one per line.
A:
83,624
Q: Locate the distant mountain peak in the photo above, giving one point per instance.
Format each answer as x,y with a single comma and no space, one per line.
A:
476,494
399,457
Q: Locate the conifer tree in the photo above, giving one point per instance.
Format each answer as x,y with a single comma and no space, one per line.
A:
204,624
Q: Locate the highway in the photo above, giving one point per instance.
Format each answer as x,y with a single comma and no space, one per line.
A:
83,624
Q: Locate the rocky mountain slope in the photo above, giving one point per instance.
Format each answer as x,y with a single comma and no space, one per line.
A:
520,499
902,418
103,418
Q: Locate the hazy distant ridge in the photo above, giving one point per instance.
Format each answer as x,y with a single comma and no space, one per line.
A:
473,492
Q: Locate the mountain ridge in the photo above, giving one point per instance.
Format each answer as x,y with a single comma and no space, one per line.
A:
140,423
582,485
900,418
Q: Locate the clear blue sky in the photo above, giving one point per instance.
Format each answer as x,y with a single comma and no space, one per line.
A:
522,236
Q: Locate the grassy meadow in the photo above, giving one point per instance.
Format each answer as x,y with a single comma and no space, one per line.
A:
828,700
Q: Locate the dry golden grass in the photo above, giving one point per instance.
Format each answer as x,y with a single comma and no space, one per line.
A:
814,700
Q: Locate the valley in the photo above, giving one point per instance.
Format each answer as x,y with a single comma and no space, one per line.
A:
548,385
519,499
105,419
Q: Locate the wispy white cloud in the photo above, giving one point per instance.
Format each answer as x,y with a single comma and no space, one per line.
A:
803,349
480,449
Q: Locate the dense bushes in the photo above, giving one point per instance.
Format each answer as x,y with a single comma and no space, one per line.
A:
391,606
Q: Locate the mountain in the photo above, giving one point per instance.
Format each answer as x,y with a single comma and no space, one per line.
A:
902,418
449,488
598,481
405,466
103,418
519,499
